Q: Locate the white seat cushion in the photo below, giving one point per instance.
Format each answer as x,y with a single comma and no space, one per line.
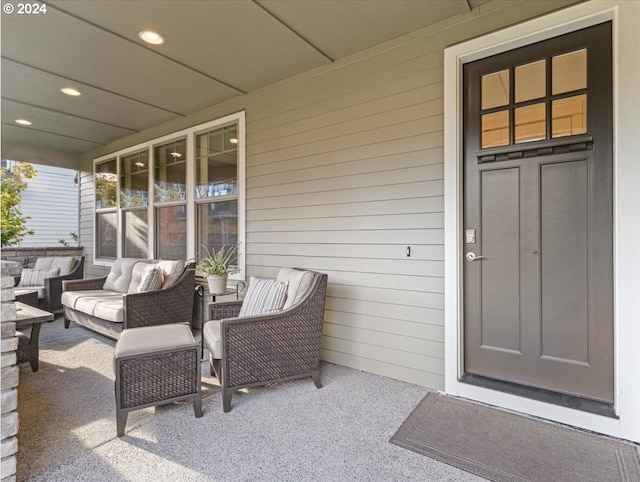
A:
100,303
152,339
299,283
40,290
64,263
212,334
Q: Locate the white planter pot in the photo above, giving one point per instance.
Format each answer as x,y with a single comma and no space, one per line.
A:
217,284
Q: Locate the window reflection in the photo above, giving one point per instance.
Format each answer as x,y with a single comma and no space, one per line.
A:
531,81
530,123
495,129
569,72
569,116
495,89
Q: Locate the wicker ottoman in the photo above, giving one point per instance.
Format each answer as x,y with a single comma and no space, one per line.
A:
155,365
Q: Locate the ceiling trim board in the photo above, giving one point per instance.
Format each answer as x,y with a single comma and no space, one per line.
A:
75,116
149,49
54,134
291,29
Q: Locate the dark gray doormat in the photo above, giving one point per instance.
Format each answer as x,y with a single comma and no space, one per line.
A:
502,446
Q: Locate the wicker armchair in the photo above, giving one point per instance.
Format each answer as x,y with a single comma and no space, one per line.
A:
262,349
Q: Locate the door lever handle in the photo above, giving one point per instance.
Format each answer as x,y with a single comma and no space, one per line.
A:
473,257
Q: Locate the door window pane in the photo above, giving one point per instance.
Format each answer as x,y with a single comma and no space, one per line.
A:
217,224
134,180
106,181
170,172
530,81
569,116
530,123
106,233
495,89
217,162
495,129
171,232
136,228
569,72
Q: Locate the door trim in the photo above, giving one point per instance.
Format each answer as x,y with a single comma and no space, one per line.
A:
552,25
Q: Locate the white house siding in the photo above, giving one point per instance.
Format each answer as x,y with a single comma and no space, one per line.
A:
344,172
51,200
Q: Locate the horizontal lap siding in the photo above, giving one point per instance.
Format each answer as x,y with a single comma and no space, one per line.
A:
344,171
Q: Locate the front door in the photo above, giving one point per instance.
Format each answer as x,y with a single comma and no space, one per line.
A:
538,215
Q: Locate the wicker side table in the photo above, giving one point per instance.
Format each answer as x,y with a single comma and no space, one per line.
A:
155,365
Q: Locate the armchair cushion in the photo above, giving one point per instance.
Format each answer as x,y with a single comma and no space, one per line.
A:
263,296
64,263
172,271
299,282
36,277
212,333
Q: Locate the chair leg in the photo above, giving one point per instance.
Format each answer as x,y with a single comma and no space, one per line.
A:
316,379
226,399
34,365
197,406
67,323
121,421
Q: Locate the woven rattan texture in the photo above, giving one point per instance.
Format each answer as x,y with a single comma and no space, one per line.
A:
170,305
267,348
155,378
220,311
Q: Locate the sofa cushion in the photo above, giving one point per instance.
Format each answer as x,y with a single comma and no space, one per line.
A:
137,273
263,296
64,263
151,280
119,277
151,339
36,277
172,271
299,283
107,305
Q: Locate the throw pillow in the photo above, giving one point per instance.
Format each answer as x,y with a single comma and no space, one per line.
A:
151,280
36,277
263,296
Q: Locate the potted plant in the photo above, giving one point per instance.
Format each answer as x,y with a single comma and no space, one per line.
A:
216,265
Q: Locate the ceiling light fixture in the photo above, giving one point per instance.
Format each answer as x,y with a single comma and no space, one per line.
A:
151,37
70,91
233,140
176,155
23,122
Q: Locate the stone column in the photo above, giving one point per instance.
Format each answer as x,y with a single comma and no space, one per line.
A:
10,372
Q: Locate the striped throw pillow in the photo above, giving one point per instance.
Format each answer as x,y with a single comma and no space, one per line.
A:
263,296
151,280
36,277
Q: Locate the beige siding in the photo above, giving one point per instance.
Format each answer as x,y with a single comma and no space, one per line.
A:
344,172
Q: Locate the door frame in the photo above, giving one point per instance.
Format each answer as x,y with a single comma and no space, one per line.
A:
627,425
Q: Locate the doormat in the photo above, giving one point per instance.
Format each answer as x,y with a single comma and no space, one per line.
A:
502,446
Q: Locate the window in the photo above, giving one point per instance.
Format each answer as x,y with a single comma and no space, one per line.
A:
217,187
106,181
544,99
167,197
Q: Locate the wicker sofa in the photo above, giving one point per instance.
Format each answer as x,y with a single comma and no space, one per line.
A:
50,288
248,351
109,304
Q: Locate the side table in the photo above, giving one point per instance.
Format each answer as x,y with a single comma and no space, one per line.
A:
29,346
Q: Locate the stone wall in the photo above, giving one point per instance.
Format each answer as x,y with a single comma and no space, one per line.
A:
10,377
27,256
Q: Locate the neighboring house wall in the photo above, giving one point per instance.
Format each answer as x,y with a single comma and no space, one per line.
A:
344,172
51,200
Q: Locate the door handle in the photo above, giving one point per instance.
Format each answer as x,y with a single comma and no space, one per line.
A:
473,257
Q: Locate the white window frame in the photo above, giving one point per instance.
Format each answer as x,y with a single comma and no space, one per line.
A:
190,135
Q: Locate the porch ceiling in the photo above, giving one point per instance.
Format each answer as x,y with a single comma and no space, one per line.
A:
214,51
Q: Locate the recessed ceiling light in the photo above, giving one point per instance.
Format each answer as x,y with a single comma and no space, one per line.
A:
70,91
176,155
151,37
23,122
233,140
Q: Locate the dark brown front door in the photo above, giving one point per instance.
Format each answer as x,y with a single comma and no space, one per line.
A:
538,215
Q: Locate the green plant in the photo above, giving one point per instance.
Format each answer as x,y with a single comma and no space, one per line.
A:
14,224
75,238
218,262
